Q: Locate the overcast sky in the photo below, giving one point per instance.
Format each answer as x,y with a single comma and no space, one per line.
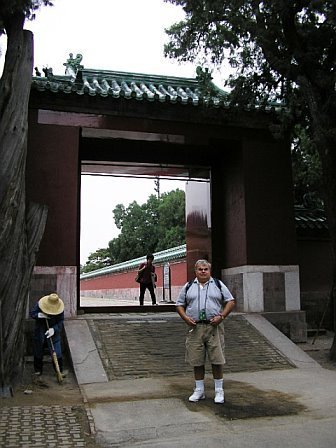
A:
125,35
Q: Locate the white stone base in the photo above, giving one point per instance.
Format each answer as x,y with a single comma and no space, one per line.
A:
66,285
127,295
248,285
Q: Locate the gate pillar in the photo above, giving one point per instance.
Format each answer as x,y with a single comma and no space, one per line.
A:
254,226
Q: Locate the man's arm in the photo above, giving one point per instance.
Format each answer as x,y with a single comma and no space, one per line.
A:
142,267
34,311
59,321
228,308
188,320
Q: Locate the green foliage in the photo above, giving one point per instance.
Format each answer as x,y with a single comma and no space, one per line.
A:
274,46
283,52
27,8
307,170
138,224
156,225
97,260
171,222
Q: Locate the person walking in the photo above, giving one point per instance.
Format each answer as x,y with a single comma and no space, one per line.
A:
203,304
147,280
48,314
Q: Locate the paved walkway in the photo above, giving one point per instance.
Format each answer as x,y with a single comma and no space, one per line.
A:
40,426
135,387
153,346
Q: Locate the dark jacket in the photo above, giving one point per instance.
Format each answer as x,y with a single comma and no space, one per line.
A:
54,321
146,274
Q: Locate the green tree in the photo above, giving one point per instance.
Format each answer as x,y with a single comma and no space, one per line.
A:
156,225
97,260
280,50
137,224
307,171
22,225
171,226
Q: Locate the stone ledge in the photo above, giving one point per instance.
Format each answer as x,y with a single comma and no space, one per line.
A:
291,323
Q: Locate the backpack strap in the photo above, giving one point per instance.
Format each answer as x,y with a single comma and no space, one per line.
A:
217,282
188,286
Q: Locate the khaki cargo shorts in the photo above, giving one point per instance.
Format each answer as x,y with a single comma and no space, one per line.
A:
202,340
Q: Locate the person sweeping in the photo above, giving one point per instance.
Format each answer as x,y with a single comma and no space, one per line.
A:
48,314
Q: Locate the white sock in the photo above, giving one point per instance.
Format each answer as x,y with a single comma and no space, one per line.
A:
219,383
199,384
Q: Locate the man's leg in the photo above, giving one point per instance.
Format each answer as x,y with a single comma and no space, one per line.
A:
152,293
195,356
216,355
38,365
142,293
198,394
199,373
217,372
38,355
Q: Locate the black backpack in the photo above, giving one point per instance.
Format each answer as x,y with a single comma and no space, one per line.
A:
214,279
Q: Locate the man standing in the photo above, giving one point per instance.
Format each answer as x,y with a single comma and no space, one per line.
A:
203,304
147,279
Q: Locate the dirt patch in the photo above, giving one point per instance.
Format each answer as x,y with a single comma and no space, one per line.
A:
45,390
323,358
243,401
318,348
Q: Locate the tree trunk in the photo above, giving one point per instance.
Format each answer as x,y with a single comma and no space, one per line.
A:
325,139
330,204
321,103
21,227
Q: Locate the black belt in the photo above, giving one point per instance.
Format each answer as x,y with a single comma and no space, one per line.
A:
203,322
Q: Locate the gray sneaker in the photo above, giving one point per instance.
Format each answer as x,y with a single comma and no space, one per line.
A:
197,395
219,396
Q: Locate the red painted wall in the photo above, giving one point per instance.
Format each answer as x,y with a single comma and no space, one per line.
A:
269,203
52,179
121,280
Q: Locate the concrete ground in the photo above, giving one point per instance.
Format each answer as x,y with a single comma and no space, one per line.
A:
129,386
139,398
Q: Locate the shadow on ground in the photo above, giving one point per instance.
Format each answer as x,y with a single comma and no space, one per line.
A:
243,401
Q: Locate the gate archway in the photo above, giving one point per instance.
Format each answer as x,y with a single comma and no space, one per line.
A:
136,119
112,288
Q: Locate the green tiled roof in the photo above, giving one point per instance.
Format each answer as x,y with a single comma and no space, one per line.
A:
137,86
163,256
310,218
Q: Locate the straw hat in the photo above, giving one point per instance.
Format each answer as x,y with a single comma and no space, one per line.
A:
51,304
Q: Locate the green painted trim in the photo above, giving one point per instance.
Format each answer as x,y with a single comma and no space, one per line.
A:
163,256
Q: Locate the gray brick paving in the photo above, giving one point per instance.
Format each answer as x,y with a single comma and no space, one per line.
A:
41,426
153,347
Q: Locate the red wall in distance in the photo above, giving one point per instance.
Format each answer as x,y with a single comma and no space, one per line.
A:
120,280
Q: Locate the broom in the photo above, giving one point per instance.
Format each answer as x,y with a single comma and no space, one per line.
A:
59,375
